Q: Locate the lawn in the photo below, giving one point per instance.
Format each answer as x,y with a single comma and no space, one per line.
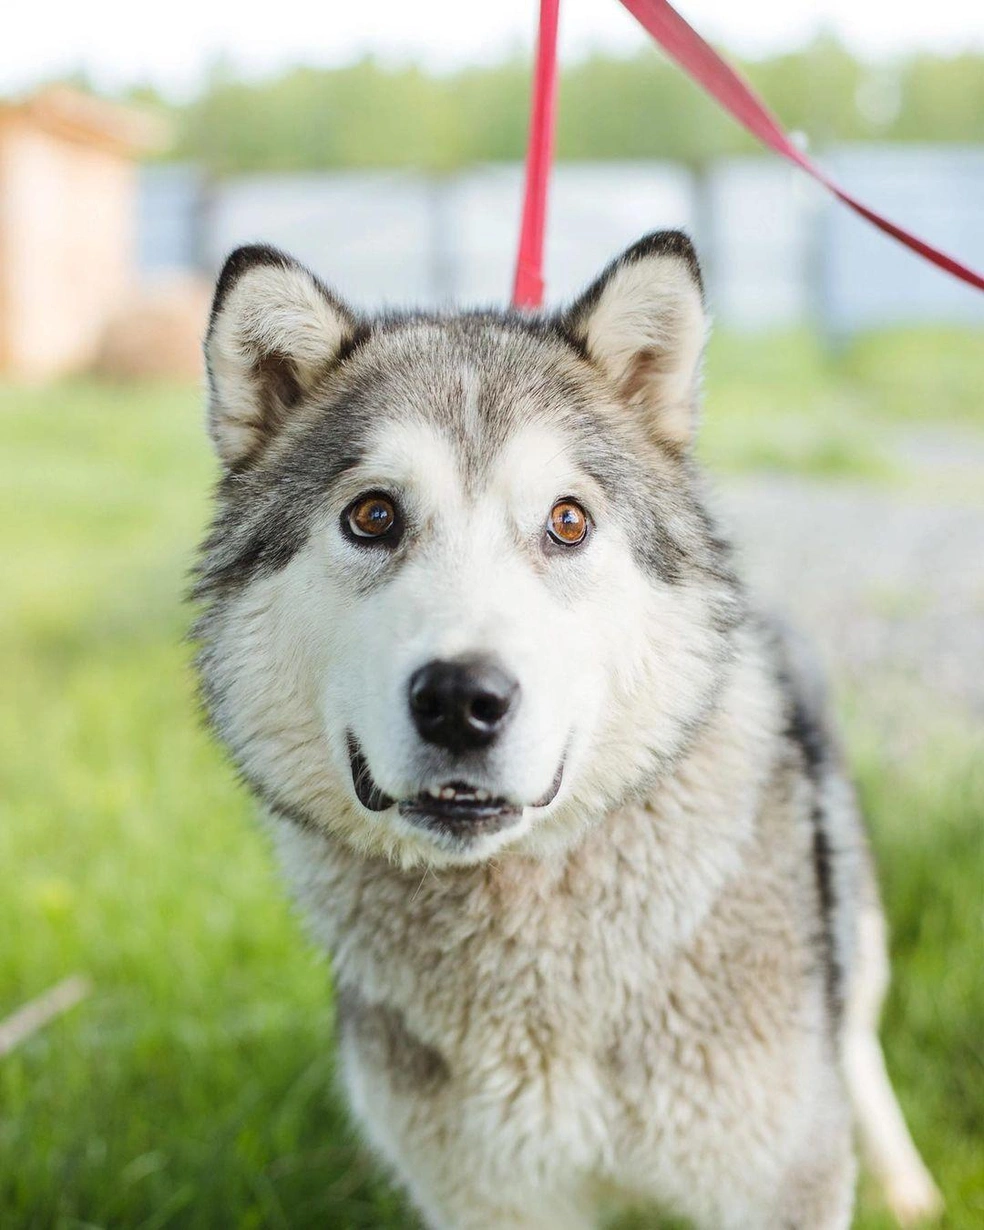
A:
785,403
194,1087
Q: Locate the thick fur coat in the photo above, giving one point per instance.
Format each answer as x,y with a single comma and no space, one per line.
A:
565,811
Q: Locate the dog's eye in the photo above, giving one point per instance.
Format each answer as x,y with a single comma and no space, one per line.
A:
371,517
568,523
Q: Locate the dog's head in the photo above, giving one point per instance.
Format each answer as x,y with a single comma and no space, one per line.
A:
460,591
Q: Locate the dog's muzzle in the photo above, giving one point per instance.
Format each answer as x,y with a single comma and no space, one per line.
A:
454,808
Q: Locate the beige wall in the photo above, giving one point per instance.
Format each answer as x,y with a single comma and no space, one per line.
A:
66,246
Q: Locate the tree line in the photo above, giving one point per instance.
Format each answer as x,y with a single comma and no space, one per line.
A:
639,107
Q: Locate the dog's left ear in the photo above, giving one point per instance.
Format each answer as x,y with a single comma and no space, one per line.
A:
643,323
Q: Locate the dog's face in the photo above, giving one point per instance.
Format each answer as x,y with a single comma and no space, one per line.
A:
460,592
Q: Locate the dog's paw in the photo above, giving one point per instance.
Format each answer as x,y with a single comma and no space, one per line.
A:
913,1197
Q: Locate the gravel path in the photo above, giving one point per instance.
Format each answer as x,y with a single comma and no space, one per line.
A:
889,585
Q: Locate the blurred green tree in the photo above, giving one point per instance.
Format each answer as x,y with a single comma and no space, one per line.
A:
370,115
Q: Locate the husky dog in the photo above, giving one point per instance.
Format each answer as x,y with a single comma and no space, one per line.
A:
565,812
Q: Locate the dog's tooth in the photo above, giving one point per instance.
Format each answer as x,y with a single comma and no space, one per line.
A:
447,793
434,792
482,795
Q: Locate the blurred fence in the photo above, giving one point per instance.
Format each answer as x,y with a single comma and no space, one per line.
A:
864,278
776,250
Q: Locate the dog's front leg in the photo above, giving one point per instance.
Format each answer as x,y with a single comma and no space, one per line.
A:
461,1173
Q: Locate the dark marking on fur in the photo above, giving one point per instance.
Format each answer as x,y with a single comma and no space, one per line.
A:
266,508
659,243
527,370
634,495
251,255
232,559
276,806
824,872
247,257
277,391
651,494
647,366
387,1044
265,513
360,333
280,386
277,387
807,732
805,729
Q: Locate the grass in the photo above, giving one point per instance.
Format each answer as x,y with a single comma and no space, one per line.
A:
195,1087
785,403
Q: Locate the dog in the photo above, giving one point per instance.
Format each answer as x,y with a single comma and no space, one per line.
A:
565,810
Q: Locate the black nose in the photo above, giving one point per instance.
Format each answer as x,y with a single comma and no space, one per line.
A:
461,704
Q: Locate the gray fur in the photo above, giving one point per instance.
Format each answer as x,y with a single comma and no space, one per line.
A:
381,1032
661,983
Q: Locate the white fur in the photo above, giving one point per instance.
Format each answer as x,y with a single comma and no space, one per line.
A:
909,1189
618,998
652,307
271,309
306,658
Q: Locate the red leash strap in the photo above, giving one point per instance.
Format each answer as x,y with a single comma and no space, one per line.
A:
684,45
528,286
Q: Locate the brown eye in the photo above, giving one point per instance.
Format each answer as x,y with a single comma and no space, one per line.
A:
568,523
371,517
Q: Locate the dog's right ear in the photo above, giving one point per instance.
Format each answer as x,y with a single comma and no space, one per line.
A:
273,331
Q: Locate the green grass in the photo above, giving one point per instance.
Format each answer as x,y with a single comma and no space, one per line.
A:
785,403
195,1086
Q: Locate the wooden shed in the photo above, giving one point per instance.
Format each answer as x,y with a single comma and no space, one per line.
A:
67,219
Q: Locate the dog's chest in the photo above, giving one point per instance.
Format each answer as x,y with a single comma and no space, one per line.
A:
481,1025
559,1009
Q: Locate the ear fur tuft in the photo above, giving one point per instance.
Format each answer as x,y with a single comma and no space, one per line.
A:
274,330
643,323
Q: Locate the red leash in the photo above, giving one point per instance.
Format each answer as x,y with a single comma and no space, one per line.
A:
684,45
528,286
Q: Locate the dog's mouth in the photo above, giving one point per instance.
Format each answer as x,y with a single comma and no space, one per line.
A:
455,807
